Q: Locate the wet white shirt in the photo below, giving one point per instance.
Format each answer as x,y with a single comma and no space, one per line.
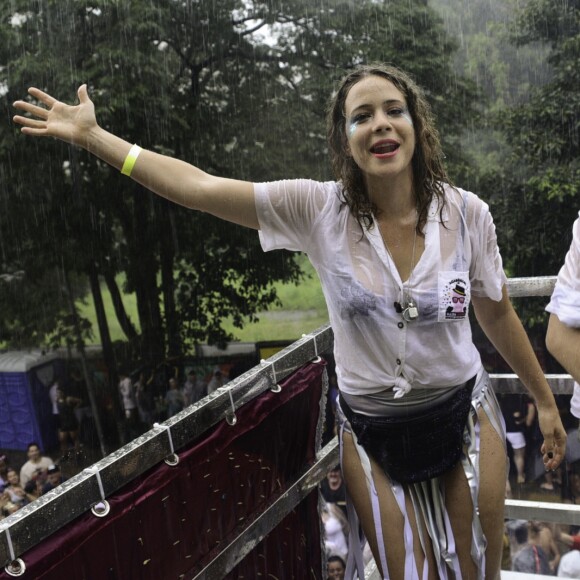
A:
374,347
565,301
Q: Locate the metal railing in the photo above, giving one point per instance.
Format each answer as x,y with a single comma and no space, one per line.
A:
89,489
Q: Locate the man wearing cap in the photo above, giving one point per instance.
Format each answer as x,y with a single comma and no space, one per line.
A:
53,479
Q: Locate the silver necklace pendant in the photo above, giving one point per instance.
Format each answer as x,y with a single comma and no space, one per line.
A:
410,312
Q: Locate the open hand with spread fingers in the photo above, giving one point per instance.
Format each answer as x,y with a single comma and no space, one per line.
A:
70,123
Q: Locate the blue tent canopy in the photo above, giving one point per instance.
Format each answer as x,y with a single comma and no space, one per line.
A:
25,408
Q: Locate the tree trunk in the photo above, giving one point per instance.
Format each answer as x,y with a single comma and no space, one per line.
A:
124,321
101,318
144,274
167,259
107,346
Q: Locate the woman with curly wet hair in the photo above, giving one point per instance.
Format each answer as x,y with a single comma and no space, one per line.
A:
401,255
429,174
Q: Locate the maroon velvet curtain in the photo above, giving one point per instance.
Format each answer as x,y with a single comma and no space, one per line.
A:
170,522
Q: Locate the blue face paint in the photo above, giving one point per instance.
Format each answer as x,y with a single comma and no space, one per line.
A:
355,122
407,116
352,128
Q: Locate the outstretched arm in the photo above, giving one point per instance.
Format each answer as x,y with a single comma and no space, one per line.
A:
563,342
502,326
171,178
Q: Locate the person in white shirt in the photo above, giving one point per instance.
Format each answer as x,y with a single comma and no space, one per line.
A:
335,530
401,256
36,466
127,392
569,565
563,336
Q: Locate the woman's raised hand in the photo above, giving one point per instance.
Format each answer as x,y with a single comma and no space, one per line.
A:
180,182
71,124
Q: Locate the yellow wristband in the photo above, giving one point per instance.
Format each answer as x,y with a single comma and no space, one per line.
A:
130,160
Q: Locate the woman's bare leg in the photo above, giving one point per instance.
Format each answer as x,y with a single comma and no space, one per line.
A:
63,440
519,461
391,518
492,477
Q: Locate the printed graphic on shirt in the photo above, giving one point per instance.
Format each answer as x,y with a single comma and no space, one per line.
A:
355,301
454,295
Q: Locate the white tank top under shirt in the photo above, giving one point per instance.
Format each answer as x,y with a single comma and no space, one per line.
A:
380,356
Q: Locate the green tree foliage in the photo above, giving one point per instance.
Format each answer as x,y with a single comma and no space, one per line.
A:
541,191
504,72
236,87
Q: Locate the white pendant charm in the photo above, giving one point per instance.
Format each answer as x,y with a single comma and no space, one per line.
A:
410,312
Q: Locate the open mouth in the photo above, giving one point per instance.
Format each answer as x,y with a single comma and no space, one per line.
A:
383,147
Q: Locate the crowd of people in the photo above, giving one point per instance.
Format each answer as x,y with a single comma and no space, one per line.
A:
536,547
144,401
21,485
143,404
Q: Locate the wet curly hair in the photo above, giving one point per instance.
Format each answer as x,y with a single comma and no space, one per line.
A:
429,174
